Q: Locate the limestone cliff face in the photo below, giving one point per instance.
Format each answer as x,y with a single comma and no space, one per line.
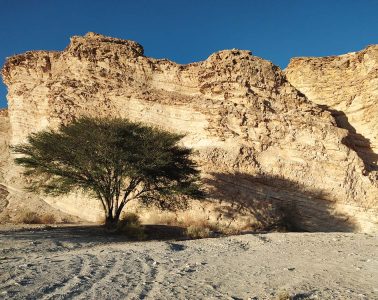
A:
259,140
14,200
346,85
4,156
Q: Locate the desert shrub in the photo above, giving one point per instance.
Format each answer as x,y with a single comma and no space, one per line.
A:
47,219
198,232
130,218
163,218
283,295
199,228
228,230
5,219
288,218
66,220
130,225
29,217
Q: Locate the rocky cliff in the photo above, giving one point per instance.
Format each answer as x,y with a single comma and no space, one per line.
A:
4,156
15,202
347,86
260,142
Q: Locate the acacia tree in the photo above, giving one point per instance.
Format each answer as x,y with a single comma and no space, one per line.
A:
113,159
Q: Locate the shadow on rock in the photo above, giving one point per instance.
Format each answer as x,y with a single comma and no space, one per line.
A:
276,203
356,141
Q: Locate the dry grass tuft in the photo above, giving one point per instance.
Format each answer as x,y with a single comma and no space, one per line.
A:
198,232
162,218
48,219
197,226
283,295
66,220
200,228
30,217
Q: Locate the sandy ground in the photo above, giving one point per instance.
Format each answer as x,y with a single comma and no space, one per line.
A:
86,263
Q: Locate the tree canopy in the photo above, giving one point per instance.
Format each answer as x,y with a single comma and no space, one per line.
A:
113,159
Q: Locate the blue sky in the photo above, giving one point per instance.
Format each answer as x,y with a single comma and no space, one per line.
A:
190,30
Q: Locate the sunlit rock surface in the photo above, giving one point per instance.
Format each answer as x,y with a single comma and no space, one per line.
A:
347,86
260,141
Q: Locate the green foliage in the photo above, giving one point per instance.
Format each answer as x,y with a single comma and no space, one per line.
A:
114,159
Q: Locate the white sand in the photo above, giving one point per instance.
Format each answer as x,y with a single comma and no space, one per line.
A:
69,263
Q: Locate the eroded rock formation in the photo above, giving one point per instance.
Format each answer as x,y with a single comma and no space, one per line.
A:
347,86
259,140
4,156
15,201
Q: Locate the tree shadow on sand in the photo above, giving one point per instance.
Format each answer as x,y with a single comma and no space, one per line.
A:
297,207
60,237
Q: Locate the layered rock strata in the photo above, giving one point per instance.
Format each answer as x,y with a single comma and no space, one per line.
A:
15,202
347,86
260,142
4,156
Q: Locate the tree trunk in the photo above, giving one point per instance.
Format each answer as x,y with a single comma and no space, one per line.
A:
118,214
111,222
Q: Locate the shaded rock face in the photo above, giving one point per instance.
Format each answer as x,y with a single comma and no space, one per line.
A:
260,142
15,201
4,156
347,86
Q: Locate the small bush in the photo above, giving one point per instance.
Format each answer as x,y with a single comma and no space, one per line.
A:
288,217
48,219
5,219
66,220
130,225
163,218
198,232
130,218
29,217
228,230
283,295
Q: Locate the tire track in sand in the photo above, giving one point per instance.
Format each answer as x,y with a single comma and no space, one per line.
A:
143,277
92,271
59,288
45,285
